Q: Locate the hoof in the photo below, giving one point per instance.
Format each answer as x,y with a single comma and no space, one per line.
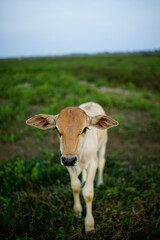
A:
89,224
89,229
99,184
78,214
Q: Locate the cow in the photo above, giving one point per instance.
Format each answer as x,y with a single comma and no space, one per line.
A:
83,136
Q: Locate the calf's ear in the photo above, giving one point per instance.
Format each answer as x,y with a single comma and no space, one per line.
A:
103,122
42,121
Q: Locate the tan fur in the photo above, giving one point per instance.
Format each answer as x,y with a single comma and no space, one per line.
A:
71,122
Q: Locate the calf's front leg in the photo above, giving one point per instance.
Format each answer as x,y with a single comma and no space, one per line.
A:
76,186
88,192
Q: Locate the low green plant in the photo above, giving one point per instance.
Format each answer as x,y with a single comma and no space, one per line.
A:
36,200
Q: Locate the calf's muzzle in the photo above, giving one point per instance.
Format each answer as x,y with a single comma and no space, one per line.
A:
69,161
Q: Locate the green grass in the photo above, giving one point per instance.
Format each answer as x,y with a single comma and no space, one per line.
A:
35,194
37,200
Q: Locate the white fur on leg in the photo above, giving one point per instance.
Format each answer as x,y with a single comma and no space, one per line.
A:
76,186
99,182
101,164
89,220
84,175
77,208
89,224
88,193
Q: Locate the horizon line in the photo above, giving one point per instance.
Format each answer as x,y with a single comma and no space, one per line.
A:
83,54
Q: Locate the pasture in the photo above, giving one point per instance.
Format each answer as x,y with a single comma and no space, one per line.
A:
35,193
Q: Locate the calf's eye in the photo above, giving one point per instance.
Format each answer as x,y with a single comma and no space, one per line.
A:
84,130
60,134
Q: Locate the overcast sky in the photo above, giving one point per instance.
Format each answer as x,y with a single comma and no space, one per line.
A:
57,27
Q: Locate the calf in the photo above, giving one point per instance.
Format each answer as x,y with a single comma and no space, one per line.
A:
82,145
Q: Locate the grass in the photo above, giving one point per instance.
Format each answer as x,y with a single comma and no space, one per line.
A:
36,198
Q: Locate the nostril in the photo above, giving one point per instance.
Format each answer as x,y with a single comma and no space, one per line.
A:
73,159
64,159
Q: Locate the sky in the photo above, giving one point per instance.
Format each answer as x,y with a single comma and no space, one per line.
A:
60,27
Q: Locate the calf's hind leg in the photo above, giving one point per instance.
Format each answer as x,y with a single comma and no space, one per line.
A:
101,163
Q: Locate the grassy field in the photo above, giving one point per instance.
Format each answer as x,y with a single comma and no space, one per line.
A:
35,194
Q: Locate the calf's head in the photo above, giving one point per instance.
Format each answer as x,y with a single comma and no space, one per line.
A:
72,125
